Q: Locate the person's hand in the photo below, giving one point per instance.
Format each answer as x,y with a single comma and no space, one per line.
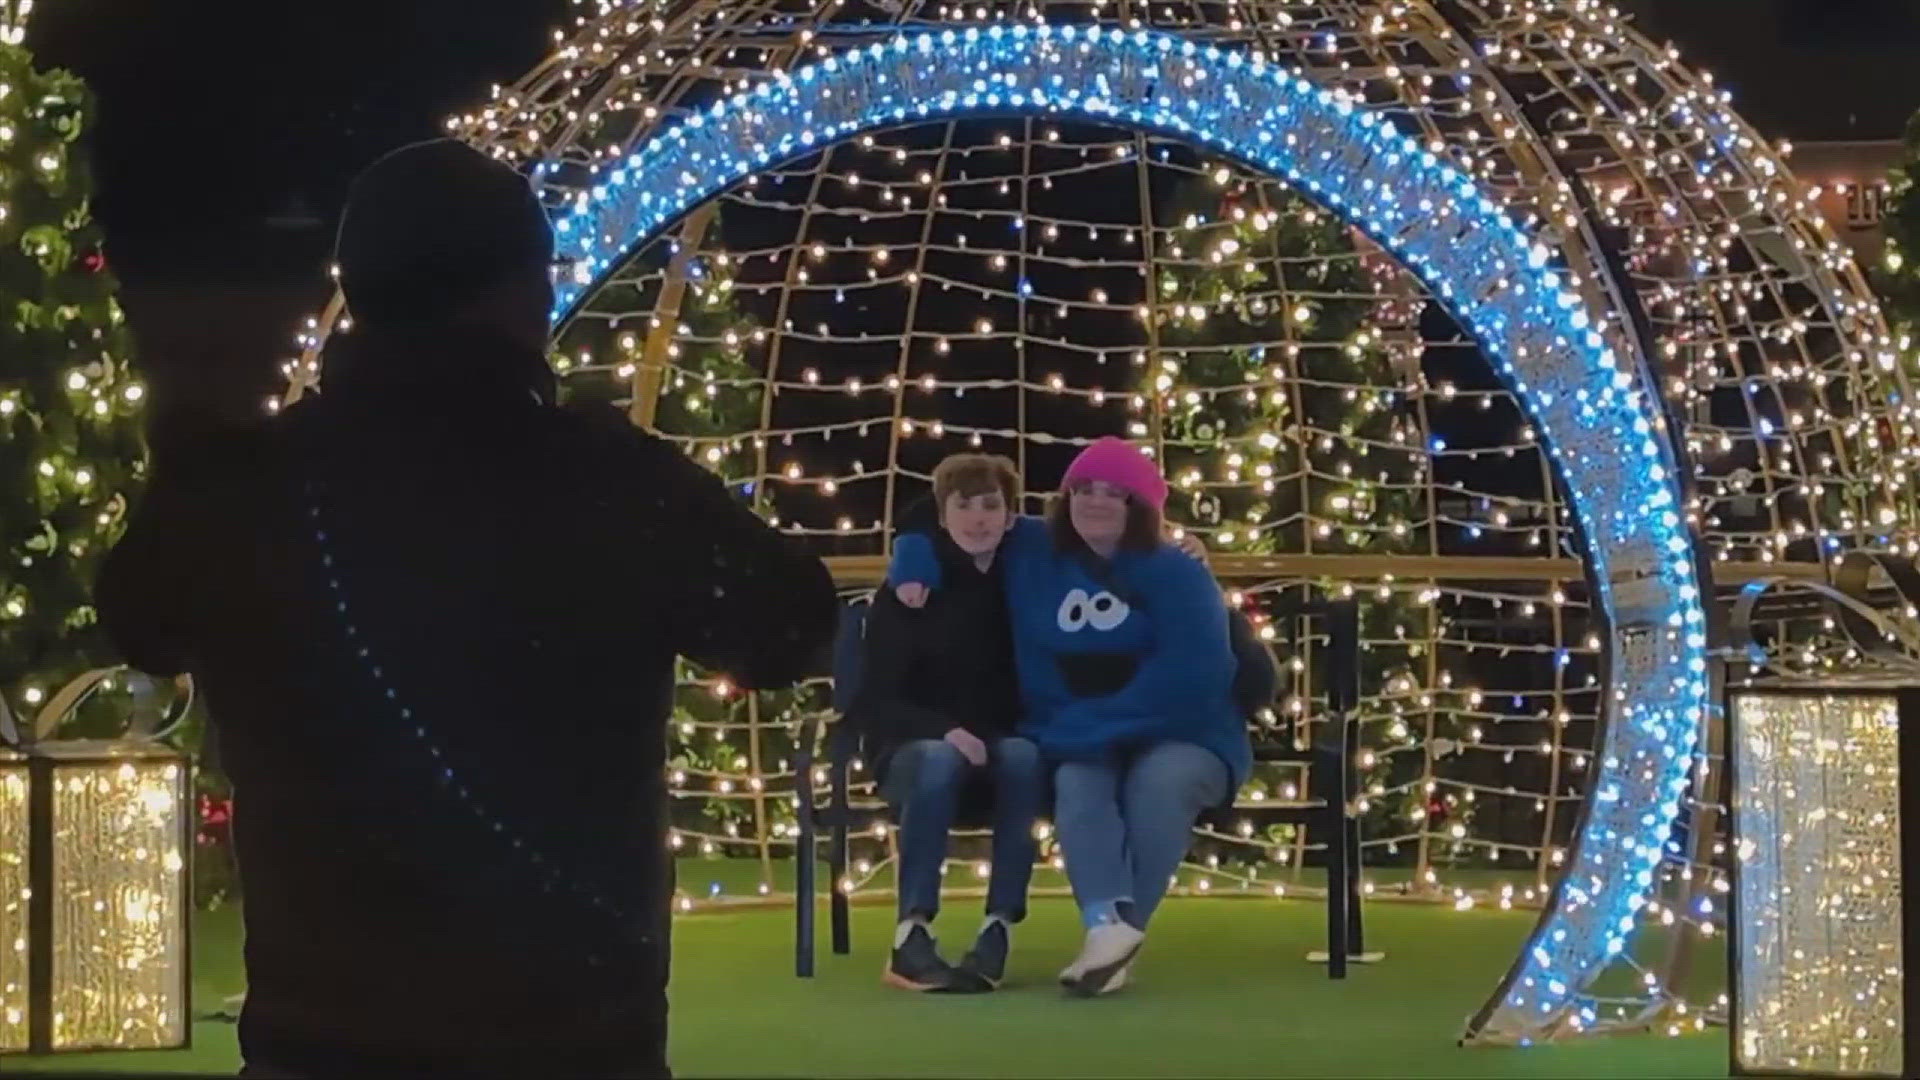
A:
968,744
1190,543
913,594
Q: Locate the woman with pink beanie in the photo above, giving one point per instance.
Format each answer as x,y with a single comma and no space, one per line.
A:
1126,672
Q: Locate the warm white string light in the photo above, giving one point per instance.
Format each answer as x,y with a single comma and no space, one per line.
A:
13,20
118,946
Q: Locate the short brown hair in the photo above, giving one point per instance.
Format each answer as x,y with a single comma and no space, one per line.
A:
1142,533
968,475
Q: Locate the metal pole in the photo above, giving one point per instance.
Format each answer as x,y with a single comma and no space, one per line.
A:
651,373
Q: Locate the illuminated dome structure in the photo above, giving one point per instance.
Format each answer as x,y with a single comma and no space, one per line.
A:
863,298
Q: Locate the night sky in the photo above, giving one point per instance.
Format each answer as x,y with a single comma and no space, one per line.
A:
217,113
221,120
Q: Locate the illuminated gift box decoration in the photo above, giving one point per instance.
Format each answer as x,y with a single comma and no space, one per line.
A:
1825,829
1820,941
95,885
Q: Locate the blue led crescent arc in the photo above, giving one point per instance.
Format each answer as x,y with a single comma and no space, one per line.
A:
1602,426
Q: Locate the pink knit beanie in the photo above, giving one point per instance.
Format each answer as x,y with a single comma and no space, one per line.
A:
1120,463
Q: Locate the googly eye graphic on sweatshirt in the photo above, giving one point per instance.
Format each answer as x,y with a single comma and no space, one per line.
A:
1102,611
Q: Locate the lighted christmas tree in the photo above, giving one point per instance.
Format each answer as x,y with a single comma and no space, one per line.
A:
1898,277
70,438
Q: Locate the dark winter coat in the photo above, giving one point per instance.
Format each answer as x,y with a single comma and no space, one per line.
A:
944,666
435,623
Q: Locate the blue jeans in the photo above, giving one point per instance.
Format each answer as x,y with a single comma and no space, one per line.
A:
1125,825
925,782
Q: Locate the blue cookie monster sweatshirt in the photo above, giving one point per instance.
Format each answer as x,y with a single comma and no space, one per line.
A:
1110,662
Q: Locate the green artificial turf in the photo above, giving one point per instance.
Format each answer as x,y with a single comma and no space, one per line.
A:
1221,990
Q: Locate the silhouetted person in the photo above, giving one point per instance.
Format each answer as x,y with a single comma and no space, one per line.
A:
435,620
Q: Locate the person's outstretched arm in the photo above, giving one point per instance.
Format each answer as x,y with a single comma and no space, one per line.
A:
742,598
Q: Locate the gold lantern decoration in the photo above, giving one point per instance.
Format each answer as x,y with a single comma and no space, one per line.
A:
95,883
1826,836
1821,938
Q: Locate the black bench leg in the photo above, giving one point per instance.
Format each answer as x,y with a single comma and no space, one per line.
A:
837,859
1356,937
837,863
1338,897
806,849
804,853
1342,844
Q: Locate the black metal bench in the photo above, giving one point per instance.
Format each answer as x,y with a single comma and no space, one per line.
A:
1326,814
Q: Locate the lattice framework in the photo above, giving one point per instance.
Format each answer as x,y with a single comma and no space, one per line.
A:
1773,357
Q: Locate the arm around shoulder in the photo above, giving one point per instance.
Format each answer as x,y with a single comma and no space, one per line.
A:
914,561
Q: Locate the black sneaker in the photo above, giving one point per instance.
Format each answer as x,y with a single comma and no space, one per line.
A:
986,963
916,964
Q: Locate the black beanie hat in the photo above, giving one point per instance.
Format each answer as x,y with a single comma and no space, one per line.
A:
431,224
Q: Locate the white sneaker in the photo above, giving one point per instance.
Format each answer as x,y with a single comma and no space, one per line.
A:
1102,964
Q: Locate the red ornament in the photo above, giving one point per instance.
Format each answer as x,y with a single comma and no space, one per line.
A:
216,817
93,262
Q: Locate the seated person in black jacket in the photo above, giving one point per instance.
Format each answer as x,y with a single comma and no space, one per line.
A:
937,704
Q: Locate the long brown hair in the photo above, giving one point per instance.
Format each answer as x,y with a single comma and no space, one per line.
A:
1142,531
